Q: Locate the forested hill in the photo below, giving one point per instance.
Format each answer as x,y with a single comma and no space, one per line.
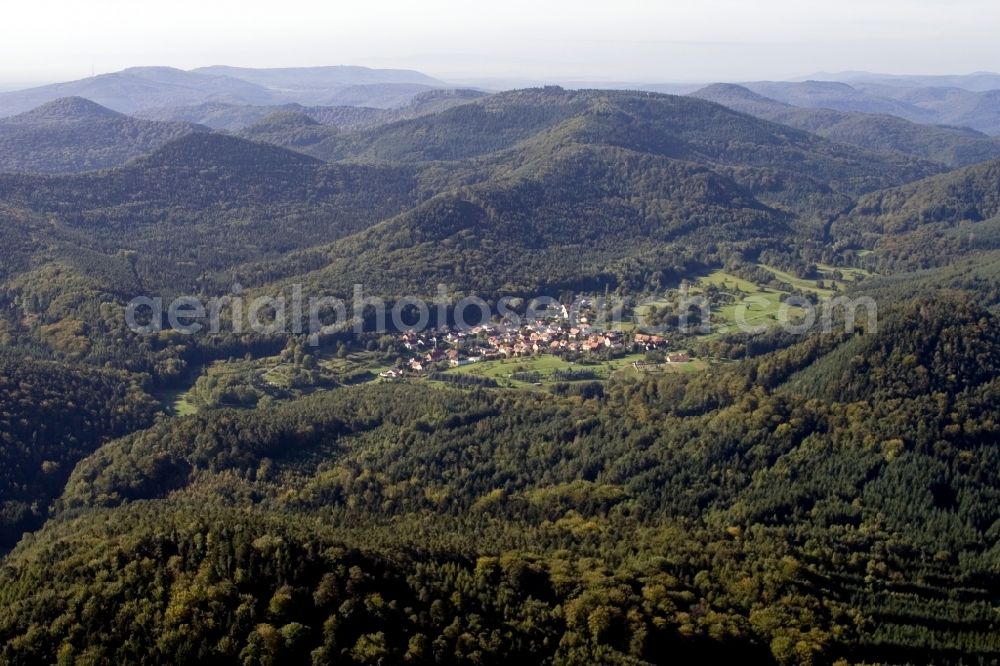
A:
587,214
944,345
702,513
549,187
575,188
77,247
955,106
74,134
292,129
51,416
951,146
207,202
971,194
930,222
677,127
770,498
500,128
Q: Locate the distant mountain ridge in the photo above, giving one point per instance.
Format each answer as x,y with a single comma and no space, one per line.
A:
137,88
215,93
235,117
979,110
308,78
835,95
975,82
952,146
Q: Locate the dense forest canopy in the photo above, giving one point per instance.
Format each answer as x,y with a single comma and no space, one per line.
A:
821,497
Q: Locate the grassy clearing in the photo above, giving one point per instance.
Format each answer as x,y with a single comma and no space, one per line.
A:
762,306
176,402
274,372
179,401
759,309
546,365
758,305
729,282
753,305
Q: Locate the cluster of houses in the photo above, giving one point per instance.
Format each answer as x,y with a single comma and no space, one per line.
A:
486,342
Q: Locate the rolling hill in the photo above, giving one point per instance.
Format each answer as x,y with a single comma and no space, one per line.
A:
926,345
352,118
53,415
317,131
216,115
928,223
206,202
722,173
290,129
675,127
182,220
971,195
948,106
538,230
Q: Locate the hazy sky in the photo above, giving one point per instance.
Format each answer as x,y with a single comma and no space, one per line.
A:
622,40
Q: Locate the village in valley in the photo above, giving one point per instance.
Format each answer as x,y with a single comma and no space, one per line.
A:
564,345
566,333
